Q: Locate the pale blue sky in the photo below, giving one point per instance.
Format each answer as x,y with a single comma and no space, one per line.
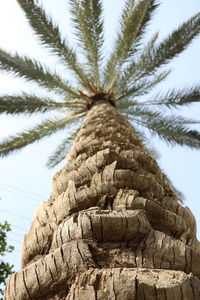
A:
26,171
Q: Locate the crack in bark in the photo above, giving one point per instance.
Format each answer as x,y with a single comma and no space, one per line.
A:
36,235
15,283
101,226
91,226
37,278
124,227
81,227
61,238
82,257
162,252
55,264
165,294
26,288
190,262
136,287
51,274
113,288
62,254
182,294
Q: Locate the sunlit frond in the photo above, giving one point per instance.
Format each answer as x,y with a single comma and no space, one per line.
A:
173,45
46,128
135,17
50,36
172,129
140,111
176,97
142,87
30,104
132,70
34,71
88,22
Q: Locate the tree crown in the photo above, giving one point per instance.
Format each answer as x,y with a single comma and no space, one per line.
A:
133,69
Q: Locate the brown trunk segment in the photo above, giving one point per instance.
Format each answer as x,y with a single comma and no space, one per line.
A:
113,227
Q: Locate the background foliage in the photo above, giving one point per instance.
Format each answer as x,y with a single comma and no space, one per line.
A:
5,268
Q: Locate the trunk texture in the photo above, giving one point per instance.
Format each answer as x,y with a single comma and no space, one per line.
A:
113,227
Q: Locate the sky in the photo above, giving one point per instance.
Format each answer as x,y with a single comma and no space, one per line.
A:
24,178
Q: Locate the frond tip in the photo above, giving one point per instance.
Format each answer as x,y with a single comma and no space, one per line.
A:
50,36
27,104
46,128
174,130
88,22
176,97
135,18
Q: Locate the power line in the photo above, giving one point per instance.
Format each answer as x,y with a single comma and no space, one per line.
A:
16,241
19,194
18,227
14,214
22,191
15,233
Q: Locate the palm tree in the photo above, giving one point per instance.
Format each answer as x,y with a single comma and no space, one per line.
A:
114,227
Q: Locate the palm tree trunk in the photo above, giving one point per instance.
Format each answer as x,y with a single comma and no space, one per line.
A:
113,227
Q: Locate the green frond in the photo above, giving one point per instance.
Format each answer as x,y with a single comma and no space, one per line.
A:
46,128
173,129
60,153
176,97
34,71
130,72
28,104
140,111
144,86
135,18
50,36
88,22
176,43
177,135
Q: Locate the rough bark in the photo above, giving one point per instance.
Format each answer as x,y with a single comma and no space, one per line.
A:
113,227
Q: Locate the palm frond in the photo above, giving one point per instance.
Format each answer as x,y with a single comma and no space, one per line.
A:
28,104
142,87
135,18
130,71
176,43
140,111
176,97
50,36
46,128
60,153
88,22
172,129
34,71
